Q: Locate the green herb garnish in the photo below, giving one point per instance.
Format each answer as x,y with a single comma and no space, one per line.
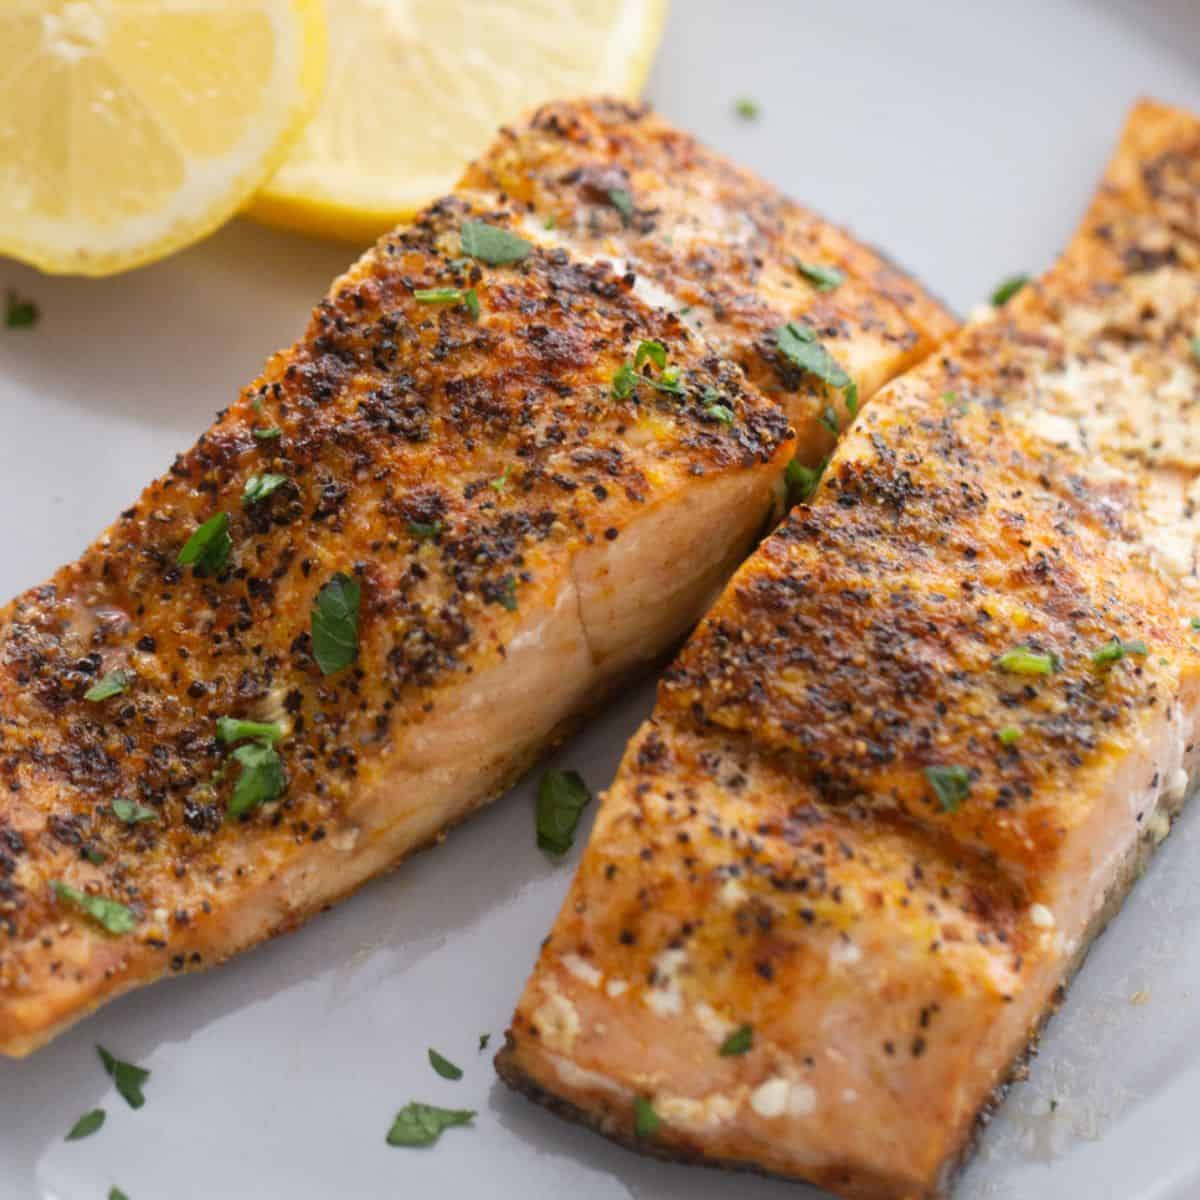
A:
829,419
1008,289
426,531
1114,650
824,279
494,246
419,1124
799,344
443,1066
233,729
127,1078
1024,660
467,298
654,352
1195,345
261,779
746,108
622,201
209,546
259,487
507,596
719,412
646,1122
111,914
562,797
94,856
129,812
738,1042
950,785
268,435
550,222
1008,735
484,1038
115,1193
668,381
501,481
113,684
801,481
88,1124
625,382
1196,622
20,314
335,624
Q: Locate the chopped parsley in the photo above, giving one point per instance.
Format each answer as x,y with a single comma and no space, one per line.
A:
115,1193
94,856
1005,291
625,382
668,381
496,247
418,1124
550,222
88,1124
746,108
1024,660
799,345
484,1038
268,435
654,352
738,1042
233,729
261,779
622,201
127,1079
426,531
467,298
950,785
20,314
646,1122
562,797
719,412
110,914
1195,345
130,812
113,684
501,481
443,1066
506,597
1114,650
1008,735
335,624
829,419
259,487
801,481
208,548
824,279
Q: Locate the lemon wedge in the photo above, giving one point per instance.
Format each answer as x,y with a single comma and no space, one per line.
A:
131,128
416,88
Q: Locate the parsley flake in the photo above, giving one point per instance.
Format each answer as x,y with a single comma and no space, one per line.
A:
88,1124
484,1038
562,797
115,1193
1006,290
127,1079
233,729
506,596
1008,735
261,779
426,531
625,381
113,684
824,279
94,856
494,246
1024,660
1195,346
259,487
622,201
20,314
950,785
738,1042
418,1124
654,352
110,914
443,1066
646,1122
130,812
335,624
501,481
801,481
208,548
268,435
467,298
746,108
799,345
1114,650
829,419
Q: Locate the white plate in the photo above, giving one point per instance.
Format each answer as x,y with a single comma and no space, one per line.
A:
964,138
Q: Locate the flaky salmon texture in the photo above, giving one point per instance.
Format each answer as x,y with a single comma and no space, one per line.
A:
498,474
908,765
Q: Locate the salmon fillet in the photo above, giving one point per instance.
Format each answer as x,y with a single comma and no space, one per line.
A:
712,242
908,765
476,495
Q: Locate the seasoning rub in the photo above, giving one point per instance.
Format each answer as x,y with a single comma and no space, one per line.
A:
905,769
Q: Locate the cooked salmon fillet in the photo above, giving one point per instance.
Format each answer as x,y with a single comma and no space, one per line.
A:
908,765
711,241
490,482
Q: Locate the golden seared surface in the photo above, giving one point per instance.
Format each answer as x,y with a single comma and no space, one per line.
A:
454,466
897,775
720,246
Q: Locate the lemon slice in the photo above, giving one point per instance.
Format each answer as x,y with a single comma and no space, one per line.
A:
417,88
129,128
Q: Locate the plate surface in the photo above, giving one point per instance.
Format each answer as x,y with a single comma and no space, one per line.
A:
965,139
